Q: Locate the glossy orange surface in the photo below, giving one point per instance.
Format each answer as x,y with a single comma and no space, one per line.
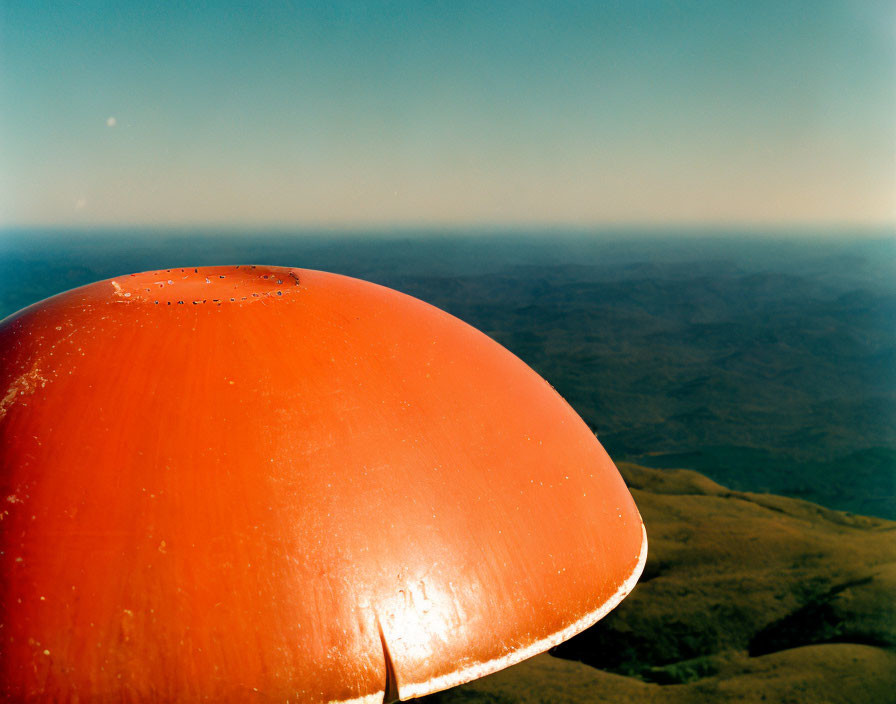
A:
266,484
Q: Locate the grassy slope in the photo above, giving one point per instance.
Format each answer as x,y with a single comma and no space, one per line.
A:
746,597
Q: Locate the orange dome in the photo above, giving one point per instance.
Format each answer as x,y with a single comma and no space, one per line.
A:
234,482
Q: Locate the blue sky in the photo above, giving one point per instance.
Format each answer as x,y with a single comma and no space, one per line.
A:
447,113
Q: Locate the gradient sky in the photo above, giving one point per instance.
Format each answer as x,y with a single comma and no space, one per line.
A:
447,112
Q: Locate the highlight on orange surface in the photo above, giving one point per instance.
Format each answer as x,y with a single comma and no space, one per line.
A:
233,483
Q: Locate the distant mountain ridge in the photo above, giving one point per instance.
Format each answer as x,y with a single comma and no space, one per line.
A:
768,382
769,364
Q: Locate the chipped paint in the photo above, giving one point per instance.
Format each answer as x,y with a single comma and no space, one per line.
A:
24,385
206,285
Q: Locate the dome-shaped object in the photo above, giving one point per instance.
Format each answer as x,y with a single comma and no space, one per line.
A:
267,484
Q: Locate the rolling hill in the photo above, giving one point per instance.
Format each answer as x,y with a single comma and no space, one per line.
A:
746,597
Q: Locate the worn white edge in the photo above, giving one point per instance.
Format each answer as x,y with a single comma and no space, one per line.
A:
472,672
375,698
452,679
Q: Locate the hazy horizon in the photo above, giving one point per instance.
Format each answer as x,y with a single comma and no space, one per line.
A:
596,231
